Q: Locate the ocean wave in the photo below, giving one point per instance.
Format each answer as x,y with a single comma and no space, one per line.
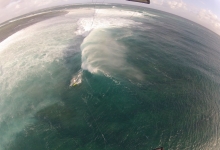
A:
102,54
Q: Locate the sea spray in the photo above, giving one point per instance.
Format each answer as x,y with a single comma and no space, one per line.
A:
103,54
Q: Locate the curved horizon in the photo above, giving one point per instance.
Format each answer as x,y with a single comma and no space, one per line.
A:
202,12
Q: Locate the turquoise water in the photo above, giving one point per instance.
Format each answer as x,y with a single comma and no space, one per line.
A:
133,80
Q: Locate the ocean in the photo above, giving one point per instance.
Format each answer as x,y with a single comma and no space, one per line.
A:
108,77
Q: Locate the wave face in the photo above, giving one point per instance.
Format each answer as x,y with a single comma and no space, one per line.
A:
101,53
114,78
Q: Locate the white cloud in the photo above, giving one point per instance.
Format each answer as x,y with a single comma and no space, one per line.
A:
158,2
4,3
207,15
209,19
177,4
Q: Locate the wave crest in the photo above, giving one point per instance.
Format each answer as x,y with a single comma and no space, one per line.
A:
102,54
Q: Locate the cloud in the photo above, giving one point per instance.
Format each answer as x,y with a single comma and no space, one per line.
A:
177,4
210,19
158,2
208,16
4,3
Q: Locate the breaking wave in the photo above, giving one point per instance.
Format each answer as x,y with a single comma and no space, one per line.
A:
102,53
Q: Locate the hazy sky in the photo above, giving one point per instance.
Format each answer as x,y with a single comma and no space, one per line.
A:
204,12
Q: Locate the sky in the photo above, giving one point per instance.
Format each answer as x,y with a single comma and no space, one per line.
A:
204,12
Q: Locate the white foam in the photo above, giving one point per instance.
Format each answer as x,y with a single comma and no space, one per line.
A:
149,14
12,39
106,18
33,47
85,25
25,54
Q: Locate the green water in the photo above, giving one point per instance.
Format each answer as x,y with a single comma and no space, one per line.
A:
142,86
